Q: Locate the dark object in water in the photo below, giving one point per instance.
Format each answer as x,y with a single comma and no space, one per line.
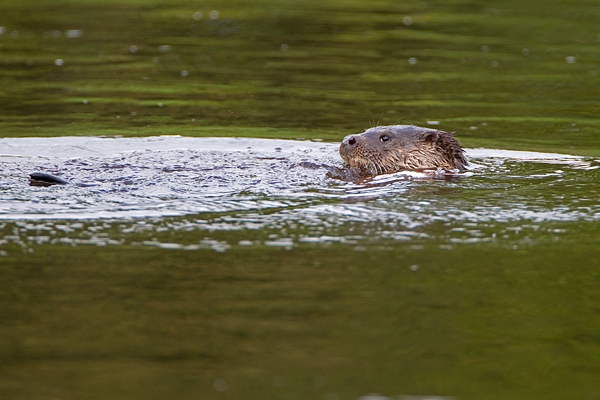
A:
42,179
389,149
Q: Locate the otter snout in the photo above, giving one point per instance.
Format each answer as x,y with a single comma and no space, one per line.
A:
347,145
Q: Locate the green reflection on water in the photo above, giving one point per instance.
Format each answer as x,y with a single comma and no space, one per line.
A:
523,75
478,321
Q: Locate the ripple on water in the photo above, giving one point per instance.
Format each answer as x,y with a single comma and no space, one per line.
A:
244,185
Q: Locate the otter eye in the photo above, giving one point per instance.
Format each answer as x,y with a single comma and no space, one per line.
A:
385,138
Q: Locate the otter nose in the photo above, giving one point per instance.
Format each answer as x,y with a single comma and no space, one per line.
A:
350,140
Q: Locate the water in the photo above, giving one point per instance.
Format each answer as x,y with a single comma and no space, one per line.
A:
283,185
190,257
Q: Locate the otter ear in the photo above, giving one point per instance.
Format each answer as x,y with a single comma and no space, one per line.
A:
432,137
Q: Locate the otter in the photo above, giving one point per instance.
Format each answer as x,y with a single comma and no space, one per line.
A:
395,148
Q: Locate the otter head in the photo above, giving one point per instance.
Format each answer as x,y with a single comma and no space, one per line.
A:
389,149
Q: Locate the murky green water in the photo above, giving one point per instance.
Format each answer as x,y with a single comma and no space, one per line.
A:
194,279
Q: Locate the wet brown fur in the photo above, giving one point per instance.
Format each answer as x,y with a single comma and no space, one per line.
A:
407,148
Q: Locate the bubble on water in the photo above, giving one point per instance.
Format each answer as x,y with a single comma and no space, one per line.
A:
407,21
494,63
197,16
184,72
284,47
160,104
133,49
2,30
214,14
85,102
215,245
156,60
571,59
73,33
287,243
485,49
58,62
412,60
165,48
170,246
525,51
414,267
433,122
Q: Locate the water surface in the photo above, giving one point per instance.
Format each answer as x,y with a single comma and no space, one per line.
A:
212,264
263,184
